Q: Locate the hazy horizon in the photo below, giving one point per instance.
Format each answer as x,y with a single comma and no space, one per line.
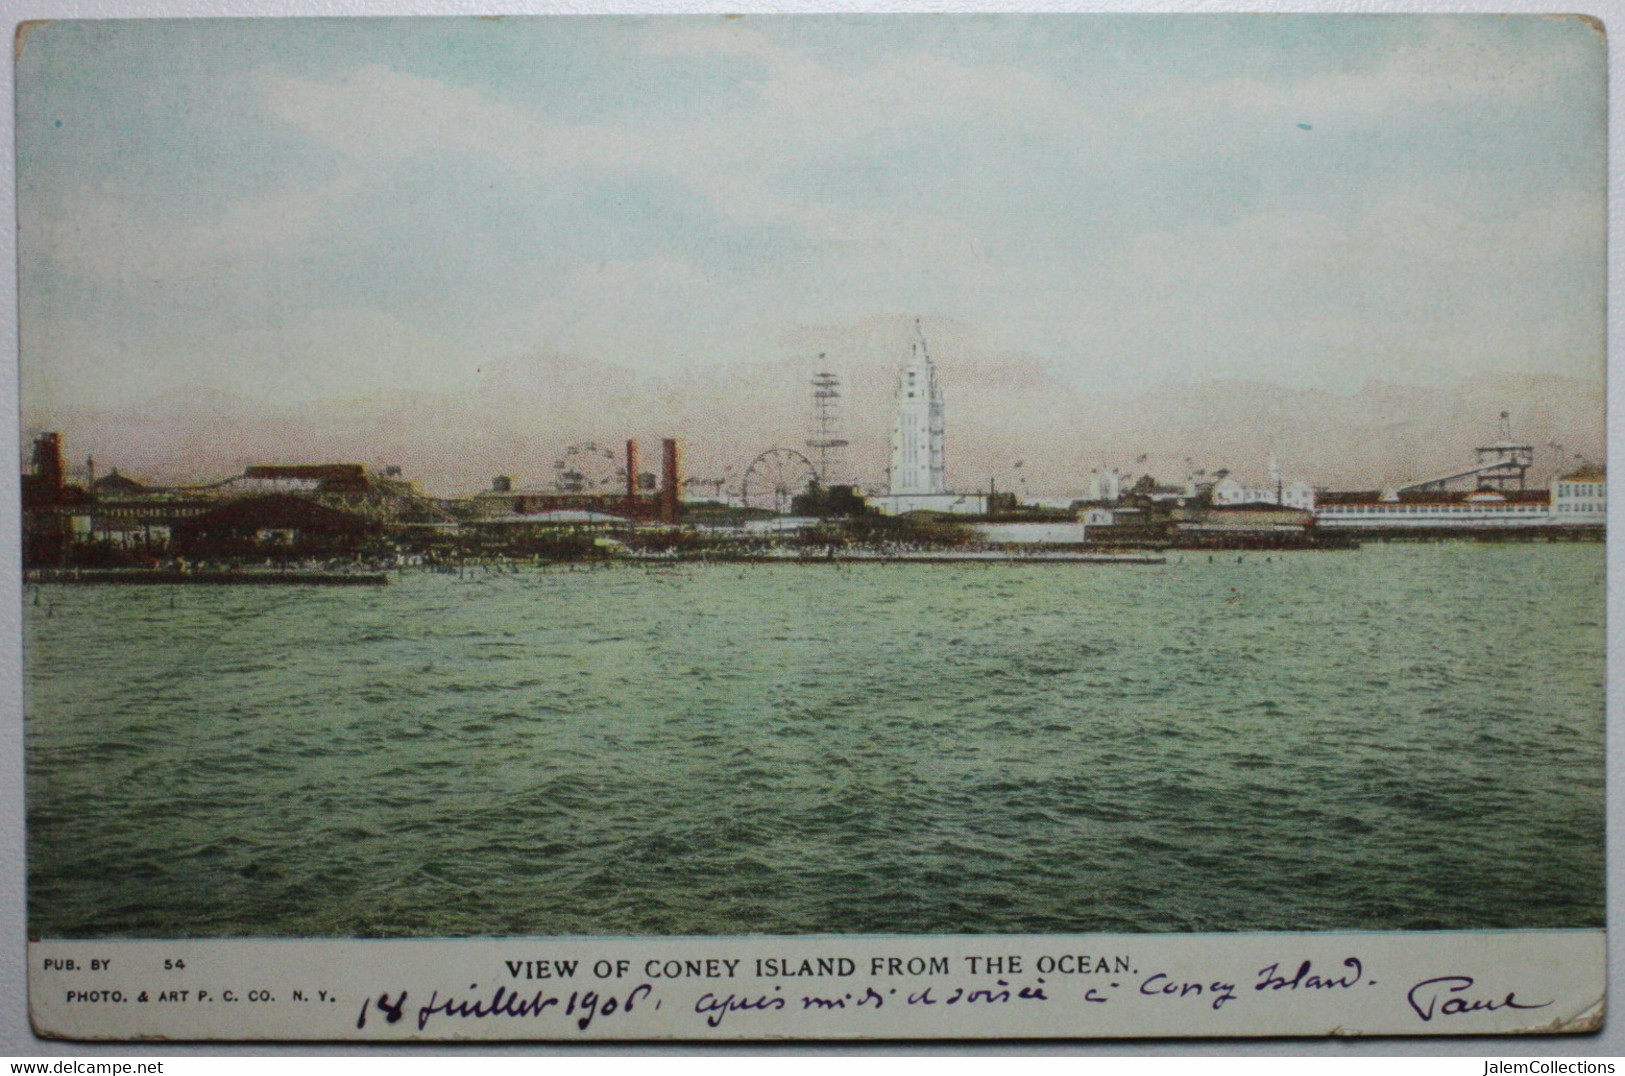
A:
1010,423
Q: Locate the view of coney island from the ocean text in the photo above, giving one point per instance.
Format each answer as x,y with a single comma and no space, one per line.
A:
681,475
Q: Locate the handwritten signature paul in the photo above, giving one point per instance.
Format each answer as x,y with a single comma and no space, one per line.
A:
1447,995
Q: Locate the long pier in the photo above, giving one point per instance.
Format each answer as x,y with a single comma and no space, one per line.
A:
924,557
258,577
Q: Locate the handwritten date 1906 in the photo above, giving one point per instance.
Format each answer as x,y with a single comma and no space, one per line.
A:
579,1006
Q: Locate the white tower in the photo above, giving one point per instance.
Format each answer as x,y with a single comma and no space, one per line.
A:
916,440
1105,485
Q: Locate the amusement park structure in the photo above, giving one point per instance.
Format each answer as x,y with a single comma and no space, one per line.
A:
825,440
592,477
774,479
592,468
1501,466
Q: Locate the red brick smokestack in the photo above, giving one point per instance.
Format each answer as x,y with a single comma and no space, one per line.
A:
48,463
671,480
631,478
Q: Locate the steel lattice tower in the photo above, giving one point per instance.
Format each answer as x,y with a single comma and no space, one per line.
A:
826,441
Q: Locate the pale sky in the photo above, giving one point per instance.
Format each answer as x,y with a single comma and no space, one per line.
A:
299,210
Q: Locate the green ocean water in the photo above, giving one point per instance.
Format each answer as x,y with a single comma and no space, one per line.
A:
1399,737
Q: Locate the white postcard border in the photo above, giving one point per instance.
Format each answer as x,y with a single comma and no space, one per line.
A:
830,987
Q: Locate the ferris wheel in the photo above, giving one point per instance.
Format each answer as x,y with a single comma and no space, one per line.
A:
588,468
775,478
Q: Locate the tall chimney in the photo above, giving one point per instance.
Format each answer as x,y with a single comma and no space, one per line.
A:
48,462
671,479
631,477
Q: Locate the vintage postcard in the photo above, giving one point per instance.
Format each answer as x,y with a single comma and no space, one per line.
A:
830,526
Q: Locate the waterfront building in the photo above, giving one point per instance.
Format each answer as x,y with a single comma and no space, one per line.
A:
916,444
55,513
918,480
1161,493
1231,491
1581,497
1435,509
114,484
273,524
1099,517
142,516
1105,485
1494,498
264,479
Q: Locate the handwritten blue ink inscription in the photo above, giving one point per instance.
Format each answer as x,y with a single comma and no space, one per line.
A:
1425,998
